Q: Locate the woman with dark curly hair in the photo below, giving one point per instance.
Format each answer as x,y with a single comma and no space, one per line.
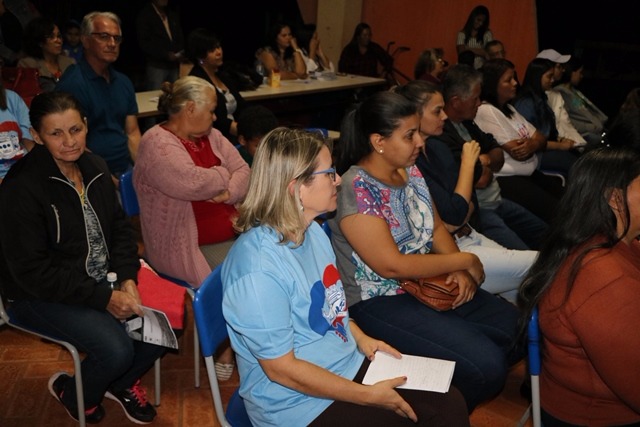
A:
43,45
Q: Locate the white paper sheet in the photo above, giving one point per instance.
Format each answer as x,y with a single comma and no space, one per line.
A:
423,373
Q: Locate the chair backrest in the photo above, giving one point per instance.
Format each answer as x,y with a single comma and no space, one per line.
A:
212,330
207,312
323,131
534,343
535,365
326,228
128,194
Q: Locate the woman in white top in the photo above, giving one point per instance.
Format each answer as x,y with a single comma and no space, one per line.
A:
519,178
475,34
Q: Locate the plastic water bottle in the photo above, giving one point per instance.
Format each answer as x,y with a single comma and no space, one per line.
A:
112,278
260,70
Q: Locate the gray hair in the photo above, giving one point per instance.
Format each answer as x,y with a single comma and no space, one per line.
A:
460,81
86,28
176,95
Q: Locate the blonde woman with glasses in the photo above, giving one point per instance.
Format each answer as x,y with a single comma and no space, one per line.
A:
301,358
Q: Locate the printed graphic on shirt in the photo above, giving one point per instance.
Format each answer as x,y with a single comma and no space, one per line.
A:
10,149
328,308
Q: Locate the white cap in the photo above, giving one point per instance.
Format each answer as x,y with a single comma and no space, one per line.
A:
554,55
112,277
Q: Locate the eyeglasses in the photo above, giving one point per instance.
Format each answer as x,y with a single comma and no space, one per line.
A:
443,62
54,36
331,172
106,37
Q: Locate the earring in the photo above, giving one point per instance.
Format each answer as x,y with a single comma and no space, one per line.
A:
381,151
200,61
301,207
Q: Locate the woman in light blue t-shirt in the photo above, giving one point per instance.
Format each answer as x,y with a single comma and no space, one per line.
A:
300,357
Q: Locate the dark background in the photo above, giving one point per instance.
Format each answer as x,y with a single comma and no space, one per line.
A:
606,36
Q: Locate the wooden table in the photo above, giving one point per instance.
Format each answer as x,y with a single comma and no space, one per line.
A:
148,101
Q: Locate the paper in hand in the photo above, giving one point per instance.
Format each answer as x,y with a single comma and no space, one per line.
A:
423,373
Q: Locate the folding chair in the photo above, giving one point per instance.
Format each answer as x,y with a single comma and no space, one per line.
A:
535,365
5,318
326,228
207,310
132,208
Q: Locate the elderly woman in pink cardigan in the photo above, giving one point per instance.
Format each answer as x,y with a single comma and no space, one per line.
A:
188,178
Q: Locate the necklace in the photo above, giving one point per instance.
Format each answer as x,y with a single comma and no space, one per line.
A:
81,192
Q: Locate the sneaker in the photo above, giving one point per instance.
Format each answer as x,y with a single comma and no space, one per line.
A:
224,370
135,404
56,388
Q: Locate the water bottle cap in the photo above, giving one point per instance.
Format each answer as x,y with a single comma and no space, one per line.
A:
112,277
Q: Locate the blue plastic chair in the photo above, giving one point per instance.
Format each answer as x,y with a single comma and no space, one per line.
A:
535,365
212,328
5,318
326,228
132,208
323,131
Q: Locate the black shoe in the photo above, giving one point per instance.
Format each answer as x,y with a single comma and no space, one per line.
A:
525,390
135,404
56,388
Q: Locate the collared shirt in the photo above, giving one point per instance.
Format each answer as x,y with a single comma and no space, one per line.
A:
107,104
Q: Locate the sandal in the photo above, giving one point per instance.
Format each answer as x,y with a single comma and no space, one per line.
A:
224,370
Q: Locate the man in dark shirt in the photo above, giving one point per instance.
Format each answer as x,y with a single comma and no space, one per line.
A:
502,220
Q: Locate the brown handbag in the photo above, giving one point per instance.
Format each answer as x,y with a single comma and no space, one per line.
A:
24,81
432,291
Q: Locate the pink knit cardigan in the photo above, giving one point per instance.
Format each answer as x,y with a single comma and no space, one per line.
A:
166,181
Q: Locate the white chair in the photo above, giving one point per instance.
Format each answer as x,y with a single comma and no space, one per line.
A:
132,208
5,318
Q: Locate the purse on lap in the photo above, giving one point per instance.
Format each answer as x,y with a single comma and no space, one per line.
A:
432,291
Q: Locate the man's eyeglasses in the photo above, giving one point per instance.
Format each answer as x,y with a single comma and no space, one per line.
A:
331,172
106,37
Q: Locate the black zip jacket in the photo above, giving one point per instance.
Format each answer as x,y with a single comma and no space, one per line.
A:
43,239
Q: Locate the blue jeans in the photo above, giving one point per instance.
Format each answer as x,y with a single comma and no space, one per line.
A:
113,360
558,161
512,226
479,336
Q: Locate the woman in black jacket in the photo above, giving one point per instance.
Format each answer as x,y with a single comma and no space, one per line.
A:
205,51
61,230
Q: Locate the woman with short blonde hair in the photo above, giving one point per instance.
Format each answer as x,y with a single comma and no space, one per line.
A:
286,308
269,200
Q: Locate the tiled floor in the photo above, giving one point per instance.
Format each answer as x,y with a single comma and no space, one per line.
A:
26,364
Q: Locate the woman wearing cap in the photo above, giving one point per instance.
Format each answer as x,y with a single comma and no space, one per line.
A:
566,129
